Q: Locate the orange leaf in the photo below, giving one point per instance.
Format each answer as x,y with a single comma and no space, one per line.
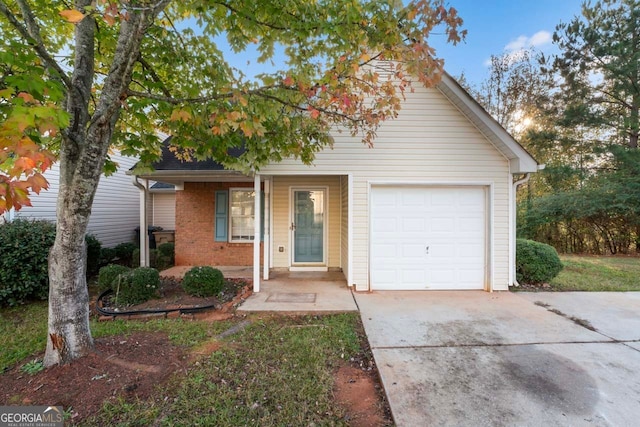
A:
26,96
314,113
246,129
37,183
288,81
71,15
110,20
180,115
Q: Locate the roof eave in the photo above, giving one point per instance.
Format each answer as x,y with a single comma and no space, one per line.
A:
520,161
181,176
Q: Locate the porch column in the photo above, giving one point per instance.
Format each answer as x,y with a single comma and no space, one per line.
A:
256,235
144,235
266,244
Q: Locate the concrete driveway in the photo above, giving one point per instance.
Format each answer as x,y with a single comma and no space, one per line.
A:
503,359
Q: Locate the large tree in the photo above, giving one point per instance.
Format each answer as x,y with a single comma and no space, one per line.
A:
599,69
82,77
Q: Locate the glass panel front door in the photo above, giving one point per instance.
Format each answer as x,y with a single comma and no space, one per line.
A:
308,226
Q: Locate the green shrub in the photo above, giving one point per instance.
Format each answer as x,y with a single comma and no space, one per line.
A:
107,256
203,281
165,256
124,251
24,249
536,262
135,258
167,250
108,276
94,250
138,286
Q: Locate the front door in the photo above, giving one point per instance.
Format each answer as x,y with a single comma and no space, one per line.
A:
308,226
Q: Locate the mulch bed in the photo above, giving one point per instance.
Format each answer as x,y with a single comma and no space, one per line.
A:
128,368
172,296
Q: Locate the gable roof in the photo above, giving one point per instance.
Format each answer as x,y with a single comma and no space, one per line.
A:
169,161
173,170
520,161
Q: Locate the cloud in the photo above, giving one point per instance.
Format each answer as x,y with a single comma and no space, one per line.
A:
540,38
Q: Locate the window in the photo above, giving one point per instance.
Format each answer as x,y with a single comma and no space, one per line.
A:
241,215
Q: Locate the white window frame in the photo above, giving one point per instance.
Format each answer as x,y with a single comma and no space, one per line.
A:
250,237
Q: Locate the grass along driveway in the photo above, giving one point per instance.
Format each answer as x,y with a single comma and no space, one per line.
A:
278,370
598,273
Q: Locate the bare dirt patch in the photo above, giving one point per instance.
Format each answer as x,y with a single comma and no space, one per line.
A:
128,368
358,389
361,396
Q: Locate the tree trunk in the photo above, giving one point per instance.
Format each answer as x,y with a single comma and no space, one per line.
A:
69,336
82,156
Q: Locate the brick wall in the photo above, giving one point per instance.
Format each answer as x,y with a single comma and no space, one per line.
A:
195,244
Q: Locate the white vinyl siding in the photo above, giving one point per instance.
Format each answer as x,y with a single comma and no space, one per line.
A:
431,142
116,205
164,210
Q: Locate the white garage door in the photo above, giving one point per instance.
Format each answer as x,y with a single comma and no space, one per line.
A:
428,238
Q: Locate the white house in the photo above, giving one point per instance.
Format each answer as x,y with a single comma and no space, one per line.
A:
430,206
115,212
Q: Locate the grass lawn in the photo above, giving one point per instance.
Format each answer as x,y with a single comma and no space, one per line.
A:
598,273
278,370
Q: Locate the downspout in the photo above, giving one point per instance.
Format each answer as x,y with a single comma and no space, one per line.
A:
514,225
144,234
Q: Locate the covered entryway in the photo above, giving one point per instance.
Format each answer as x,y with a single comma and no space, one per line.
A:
427,237
308,227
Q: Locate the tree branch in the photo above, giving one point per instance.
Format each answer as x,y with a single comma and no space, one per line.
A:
199,99
31,34
154,76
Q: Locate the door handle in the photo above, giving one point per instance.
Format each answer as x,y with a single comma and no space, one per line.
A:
293,227
427,250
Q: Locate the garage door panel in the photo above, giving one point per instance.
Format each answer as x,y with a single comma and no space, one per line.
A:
413,225
442,225
385,225
407,220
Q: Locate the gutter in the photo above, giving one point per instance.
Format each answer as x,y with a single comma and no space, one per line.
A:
513,212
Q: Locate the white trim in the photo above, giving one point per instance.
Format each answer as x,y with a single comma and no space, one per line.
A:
230,215
520,160
488,188
431,183
256,234
350,230
271,222
325,227
267,232
490,247
310,268
144,234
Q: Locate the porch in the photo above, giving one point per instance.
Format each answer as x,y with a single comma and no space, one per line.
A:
289,291
302,292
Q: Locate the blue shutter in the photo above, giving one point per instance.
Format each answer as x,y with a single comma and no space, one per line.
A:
221,208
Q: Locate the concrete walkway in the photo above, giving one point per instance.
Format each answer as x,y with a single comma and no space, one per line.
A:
302,292
490,359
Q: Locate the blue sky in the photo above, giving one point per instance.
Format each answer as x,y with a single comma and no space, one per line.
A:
501,26
494,27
